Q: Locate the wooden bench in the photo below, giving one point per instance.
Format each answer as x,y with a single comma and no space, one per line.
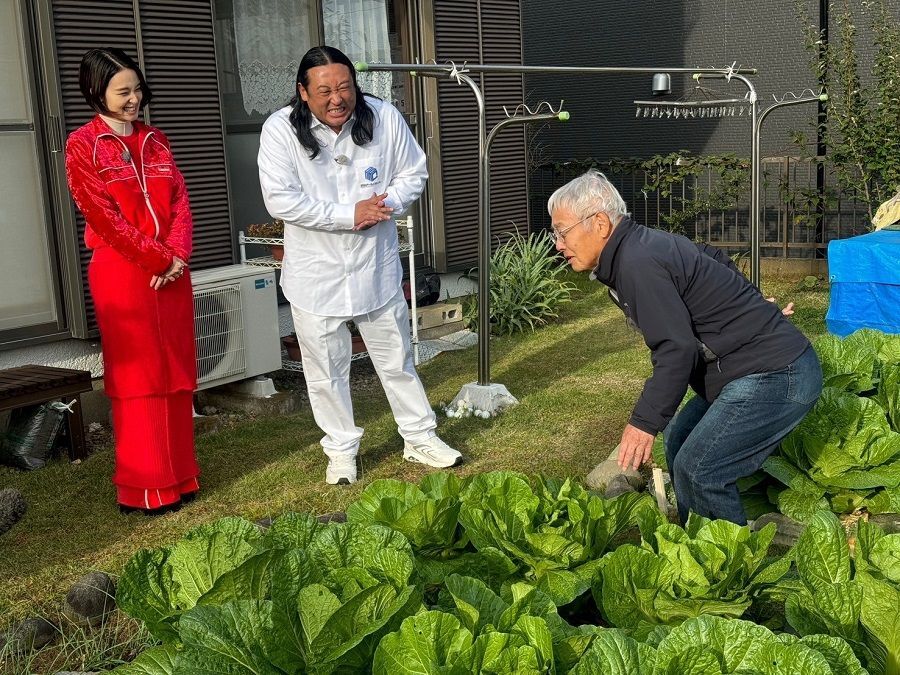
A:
33,385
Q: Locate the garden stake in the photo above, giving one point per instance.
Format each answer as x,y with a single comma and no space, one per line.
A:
659,490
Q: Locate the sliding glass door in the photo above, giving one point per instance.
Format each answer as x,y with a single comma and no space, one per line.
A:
29,304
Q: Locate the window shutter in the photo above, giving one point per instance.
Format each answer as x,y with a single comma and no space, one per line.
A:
180,62
178,55
501,37
479,31
80,25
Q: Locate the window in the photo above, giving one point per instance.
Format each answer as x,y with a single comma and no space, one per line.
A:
29,302
259,44
367,30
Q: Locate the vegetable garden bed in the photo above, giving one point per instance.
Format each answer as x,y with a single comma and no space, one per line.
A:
501,573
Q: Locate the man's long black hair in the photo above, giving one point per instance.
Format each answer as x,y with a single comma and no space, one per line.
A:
301,115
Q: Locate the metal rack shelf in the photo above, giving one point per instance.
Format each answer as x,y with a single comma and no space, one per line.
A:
264,261
406,246
297,366
270,241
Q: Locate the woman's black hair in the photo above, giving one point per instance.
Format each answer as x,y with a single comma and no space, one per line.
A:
98,67
301,117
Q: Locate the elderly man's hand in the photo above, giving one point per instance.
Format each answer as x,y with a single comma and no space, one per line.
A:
635,447
787,310
371,211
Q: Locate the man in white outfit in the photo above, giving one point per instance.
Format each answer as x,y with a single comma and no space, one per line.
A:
336,166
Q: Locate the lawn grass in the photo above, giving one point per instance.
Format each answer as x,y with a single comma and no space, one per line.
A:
576,381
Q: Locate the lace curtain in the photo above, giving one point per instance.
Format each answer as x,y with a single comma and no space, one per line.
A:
270,38
359,28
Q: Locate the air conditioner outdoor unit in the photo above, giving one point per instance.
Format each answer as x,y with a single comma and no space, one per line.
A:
235,324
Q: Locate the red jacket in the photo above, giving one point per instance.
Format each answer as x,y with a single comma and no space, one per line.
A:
145,217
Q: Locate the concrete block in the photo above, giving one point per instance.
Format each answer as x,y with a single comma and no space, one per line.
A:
225,398
439,314
492,397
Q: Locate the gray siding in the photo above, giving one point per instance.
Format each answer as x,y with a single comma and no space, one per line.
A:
765,34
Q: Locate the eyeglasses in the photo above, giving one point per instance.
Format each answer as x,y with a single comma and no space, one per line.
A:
556,235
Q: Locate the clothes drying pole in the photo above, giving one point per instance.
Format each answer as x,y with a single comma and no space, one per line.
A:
790,98
702,103
483,394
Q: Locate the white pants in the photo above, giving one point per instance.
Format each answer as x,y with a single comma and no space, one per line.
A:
325,344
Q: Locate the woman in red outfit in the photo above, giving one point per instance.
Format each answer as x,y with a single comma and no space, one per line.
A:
138,224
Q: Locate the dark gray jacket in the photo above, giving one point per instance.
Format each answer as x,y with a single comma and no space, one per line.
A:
678,297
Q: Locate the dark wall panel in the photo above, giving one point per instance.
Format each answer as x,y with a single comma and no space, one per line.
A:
175,41
485,31
80,25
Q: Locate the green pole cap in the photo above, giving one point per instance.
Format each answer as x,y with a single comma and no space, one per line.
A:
361,66
823,97
563,116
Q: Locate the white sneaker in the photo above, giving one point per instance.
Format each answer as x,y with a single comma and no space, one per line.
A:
433,452
341,470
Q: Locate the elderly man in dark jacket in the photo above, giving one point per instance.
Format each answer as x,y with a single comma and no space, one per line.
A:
708,328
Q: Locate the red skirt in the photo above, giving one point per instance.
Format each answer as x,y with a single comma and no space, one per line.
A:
149,375
155,460
147,336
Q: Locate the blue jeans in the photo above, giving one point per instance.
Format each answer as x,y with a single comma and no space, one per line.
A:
709,446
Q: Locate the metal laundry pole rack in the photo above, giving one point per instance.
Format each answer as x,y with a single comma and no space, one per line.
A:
790,98
483,394
703,103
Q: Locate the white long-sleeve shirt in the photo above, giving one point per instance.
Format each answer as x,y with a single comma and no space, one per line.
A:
329,269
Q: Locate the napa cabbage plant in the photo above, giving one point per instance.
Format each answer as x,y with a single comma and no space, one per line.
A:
475,630
843,455
856,599
554,531
303,597
706,567
428,516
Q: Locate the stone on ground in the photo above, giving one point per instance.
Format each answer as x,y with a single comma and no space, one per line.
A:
31,634
889,522
603,474
619,485
12,508
92,598
788,528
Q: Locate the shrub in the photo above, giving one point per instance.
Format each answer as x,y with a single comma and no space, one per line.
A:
526,285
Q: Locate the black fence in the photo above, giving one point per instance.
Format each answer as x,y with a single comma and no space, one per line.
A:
796,221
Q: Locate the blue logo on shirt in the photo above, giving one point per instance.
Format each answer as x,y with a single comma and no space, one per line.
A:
371,174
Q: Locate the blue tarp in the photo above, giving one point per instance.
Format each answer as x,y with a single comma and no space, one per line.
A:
865,283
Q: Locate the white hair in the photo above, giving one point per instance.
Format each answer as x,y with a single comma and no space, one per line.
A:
590,193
